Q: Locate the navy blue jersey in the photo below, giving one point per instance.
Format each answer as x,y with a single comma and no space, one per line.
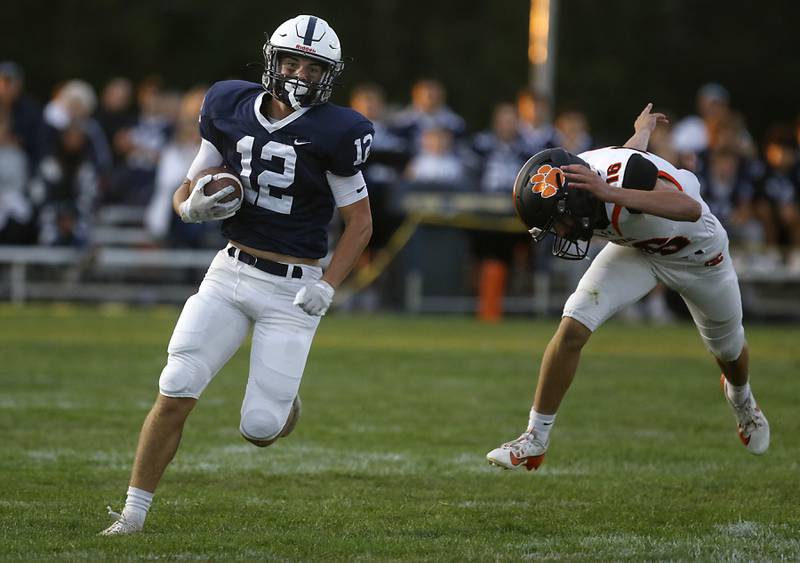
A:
288,202
498,161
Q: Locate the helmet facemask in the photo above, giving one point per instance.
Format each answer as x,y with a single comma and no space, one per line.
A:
571,234
285,88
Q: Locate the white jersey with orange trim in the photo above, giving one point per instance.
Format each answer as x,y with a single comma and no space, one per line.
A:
700,241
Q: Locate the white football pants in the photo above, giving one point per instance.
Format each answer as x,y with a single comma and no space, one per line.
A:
620,276
214,322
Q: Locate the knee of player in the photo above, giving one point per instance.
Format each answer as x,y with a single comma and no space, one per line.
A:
727,348
179,378
260,427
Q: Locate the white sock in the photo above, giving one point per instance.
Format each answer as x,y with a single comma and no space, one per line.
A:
540,425
137,504
739,394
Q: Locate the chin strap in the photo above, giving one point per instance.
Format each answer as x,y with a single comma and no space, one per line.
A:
293,100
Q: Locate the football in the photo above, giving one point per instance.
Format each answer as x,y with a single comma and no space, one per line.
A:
222,179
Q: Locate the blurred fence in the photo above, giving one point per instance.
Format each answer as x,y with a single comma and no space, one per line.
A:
422,269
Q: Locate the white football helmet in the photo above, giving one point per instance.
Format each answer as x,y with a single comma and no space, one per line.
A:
307,36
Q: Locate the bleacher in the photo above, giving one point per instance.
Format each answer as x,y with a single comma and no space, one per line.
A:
124,264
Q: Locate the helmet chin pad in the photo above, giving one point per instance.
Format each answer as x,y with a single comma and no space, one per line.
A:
299,87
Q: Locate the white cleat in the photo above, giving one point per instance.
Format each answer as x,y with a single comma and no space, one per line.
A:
122,526
294,416
526,451
751,423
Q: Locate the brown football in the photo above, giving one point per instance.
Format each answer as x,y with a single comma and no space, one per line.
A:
227,178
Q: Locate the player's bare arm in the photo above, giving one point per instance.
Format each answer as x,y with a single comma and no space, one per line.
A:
662,201
357,232
180,195
315,298
643,127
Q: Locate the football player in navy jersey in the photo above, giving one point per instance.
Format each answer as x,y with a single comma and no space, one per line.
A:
298,158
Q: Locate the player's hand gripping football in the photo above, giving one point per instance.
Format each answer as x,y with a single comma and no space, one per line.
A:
315,298
646,122
200,207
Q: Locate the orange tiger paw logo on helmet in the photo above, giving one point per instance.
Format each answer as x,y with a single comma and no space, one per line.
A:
547,181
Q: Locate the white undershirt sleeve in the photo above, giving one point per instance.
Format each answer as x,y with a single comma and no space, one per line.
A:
207,157
347,189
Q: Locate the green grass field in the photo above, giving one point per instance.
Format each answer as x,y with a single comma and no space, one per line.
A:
387,462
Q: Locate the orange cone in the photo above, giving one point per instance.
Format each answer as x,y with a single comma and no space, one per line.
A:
494,274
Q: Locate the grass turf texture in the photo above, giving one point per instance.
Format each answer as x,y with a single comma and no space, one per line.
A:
388,459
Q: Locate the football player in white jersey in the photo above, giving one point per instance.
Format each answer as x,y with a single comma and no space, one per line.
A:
659,230
299,157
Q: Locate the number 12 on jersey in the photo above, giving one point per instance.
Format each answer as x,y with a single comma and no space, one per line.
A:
362,149
269,183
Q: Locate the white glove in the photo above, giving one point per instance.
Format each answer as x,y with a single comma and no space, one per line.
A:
315,298
200,207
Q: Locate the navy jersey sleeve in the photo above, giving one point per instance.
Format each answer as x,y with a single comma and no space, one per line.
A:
207,112
219,103
352,150
209,133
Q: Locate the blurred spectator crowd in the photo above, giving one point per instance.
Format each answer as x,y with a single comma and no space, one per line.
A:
62,163
131,146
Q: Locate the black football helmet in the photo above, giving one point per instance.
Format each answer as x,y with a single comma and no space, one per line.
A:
545,204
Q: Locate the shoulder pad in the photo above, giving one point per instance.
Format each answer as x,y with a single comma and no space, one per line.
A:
345,118
223,96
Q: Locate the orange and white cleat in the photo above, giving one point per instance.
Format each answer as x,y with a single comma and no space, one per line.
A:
751,423
526,451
